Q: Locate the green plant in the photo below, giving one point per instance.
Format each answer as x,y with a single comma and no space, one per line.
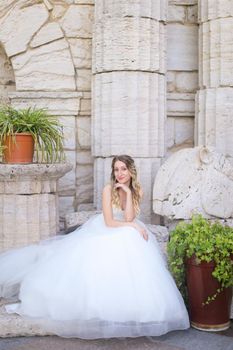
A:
45,130
208,242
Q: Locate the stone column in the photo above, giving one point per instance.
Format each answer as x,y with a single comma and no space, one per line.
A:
214,100
128,102
29,203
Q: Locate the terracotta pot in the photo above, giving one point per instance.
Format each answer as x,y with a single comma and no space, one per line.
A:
214,316
18,148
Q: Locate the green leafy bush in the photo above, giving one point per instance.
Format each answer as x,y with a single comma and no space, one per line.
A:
208,242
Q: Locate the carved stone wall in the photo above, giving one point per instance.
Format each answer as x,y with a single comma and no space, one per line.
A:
182,74
48,44
214,100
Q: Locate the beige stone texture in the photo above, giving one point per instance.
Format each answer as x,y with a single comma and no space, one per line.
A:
84,157
156,10
180,104
207,187
128,114
129,43
215,53
84,183
182,54
19,26
212,9
214,119
7,79
78,21
69,126
28,203
49,32
186,81
85,105
81,50
83,79
48,67
179,131
66,205
66,184
57,103
84,132
192,14
176,13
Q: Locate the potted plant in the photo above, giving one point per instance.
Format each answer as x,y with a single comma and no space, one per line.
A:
26,130
200,256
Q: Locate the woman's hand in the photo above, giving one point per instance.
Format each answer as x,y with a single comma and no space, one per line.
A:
141,230
125,188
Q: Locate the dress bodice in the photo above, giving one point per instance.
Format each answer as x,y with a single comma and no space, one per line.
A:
118,213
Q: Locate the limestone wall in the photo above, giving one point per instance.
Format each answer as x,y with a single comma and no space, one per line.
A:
46,60
48,43
182,75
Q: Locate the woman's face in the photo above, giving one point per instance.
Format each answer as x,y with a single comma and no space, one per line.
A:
121,172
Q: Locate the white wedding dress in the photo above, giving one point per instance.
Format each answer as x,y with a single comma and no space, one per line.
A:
96,282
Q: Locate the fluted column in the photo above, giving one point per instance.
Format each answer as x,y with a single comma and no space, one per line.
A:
128,113
29,203
214,100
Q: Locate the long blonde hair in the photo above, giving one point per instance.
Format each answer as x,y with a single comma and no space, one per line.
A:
134,184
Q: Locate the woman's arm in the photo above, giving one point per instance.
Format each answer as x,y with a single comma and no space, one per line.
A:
108,216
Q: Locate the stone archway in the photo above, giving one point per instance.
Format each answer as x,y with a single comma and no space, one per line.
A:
48,44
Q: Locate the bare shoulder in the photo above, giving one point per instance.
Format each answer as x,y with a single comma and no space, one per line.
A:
107,189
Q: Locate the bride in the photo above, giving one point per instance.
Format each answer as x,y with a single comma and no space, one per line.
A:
105,279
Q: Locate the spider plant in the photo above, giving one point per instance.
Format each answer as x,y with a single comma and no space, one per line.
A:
45,130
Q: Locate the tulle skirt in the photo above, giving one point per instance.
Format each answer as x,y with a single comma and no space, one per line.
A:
97,282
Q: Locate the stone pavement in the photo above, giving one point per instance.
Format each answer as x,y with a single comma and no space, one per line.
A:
180,340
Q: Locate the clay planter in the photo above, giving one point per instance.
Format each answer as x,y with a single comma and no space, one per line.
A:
18,148
200,283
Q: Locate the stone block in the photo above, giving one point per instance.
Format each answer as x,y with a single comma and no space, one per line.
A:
128,114
184,131
170,131
180,104
66,205
171,81
81,50
214,120
83,79
84,184
19,26
57,103
66,184
129,43
84,157
85,106
156,10
213,9
176,13
186,82
147,169
68,123
192,14
48,67
182,54
215,53
84,132
84,2
49,32
27,219
77,21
